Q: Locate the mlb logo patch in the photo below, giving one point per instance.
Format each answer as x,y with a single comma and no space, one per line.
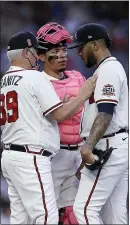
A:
89,36
108,90
29,42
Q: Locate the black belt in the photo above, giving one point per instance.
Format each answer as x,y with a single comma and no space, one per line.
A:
69,147
21,148
113,134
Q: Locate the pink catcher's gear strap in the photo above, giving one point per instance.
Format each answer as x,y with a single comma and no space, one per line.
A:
53,33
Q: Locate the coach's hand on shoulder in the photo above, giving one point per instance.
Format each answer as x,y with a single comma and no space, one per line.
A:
88,87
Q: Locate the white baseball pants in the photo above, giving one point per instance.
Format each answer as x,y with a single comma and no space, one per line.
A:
64,167
30,188
102,194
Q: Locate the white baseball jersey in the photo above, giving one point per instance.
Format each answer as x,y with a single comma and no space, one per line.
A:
111,87
49,77
27,98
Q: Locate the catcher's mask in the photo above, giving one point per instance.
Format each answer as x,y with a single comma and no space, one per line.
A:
53,35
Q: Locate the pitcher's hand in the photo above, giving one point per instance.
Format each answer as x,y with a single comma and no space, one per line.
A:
87,155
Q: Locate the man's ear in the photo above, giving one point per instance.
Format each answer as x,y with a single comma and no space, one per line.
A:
95,45
42,57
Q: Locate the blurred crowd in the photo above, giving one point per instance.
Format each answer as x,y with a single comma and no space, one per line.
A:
29,16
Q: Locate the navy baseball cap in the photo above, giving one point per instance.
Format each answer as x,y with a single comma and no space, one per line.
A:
23,40
90,32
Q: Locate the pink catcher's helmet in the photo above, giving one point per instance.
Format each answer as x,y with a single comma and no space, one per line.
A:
53,33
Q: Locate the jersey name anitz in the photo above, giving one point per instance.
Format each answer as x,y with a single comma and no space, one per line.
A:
10,80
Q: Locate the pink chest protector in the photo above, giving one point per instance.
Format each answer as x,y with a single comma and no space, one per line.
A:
69,129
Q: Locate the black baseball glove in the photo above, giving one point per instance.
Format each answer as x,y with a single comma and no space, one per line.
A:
102,156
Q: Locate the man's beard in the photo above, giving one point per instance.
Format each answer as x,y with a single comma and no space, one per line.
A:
91,61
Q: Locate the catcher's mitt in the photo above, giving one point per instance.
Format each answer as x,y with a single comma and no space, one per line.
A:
102,156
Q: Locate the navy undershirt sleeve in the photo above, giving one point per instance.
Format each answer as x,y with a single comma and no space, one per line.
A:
106,107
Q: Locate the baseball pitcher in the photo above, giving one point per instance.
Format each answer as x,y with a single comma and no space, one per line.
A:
103,189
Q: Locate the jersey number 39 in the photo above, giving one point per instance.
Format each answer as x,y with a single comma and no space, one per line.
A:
8,107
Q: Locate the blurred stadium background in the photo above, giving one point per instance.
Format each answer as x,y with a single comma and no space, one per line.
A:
29,16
